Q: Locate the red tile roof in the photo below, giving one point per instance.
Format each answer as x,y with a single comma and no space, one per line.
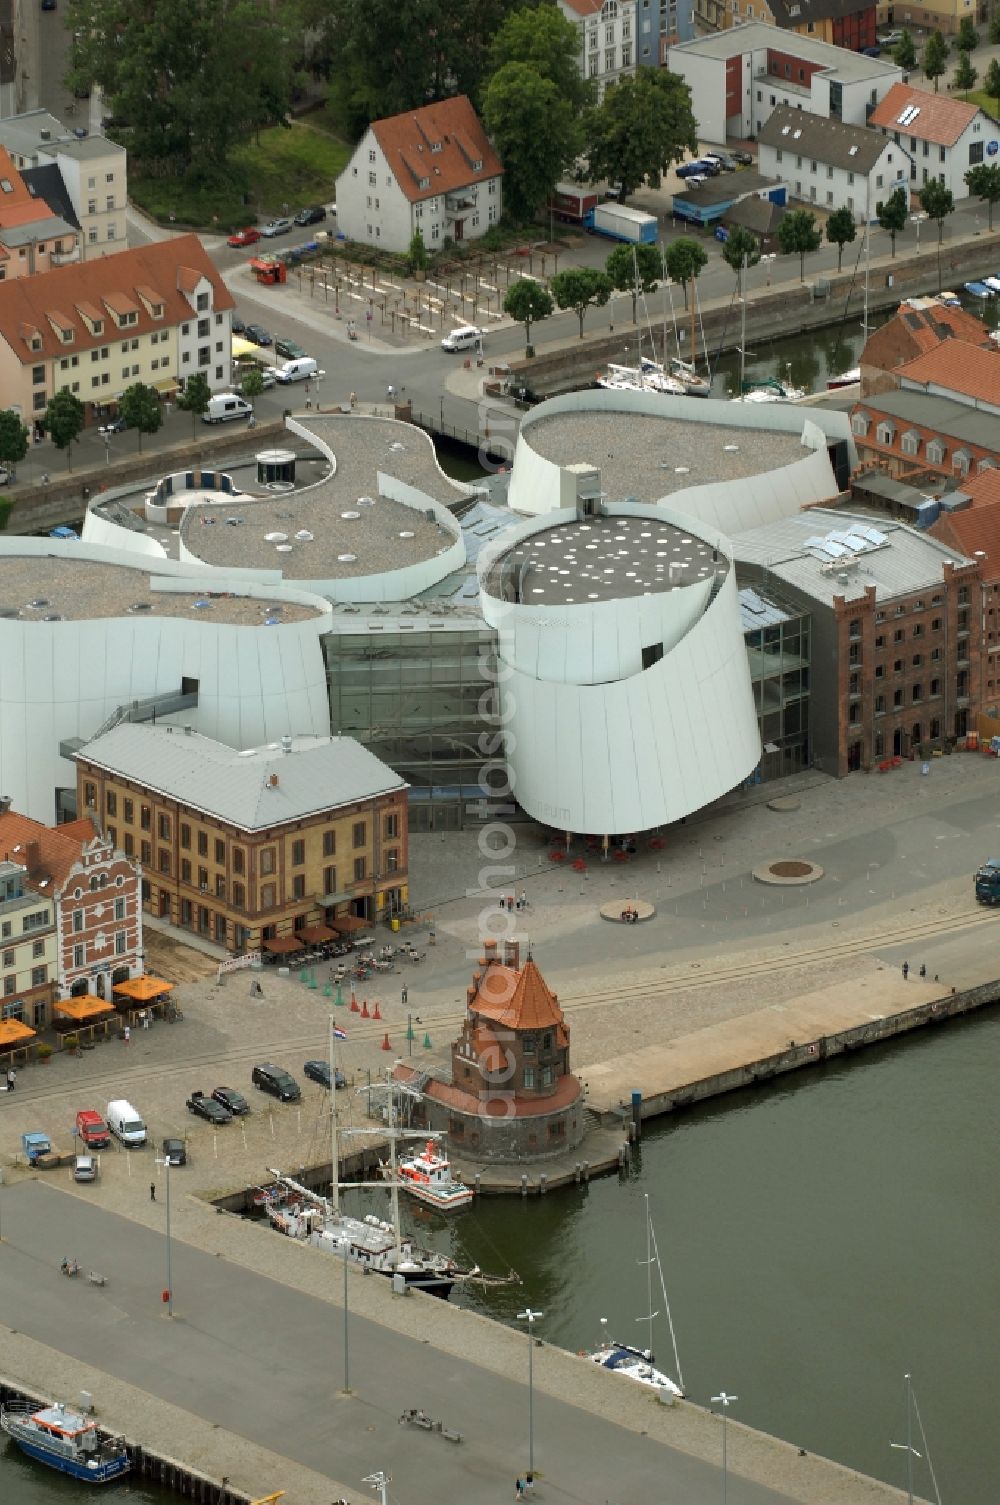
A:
928,325
586,7
941,120
516,999
983,489
56,853
975,531
496,1105
972,370
451,126
18,206
28,304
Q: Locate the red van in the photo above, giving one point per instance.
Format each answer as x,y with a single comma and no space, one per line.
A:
92,1129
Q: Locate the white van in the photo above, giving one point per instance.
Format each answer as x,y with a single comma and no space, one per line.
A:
468,337
225,405
300,369
125,1123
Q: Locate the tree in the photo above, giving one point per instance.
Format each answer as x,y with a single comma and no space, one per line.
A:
938,202
644,124
935,59
966,73
550,44
139,405
968,37
527,301
684,260
417,259
991,83
635,270
892,214
904,54
195,397
13,441
63,421
983,182
799,234
841,231
995,29
580,287
742,249
251,384
536,132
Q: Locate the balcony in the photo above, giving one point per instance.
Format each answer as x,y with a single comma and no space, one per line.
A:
64,258
463,201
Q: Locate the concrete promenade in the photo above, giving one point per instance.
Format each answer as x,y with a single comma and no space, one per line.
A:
254,1355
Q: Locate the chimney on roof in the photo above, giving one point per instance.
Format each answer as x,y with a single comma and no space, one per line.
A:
272,782
512,954
489,952
187,731
46,135
32,856
5,803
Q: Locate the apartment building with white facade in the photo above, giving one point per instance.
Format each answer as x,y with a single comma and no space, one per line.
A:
90,182
431,170
609,37
944,137
829,164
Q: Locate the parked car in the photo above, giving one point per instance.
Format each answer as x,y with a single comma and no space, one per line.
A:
725,161
871,51
175,1151
208,1108
237,325
274,227
288,349
258,334
741,158
92,1129
891,39
319,1071
277,1081
85,1168
248,237
695,179
691,169
231,1099
314,215
267,372
115,426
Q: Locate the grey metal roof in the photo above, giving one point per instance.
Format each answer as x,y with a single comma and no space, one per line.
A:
728,188
759,215
908,560
854,148
758,611
317,774
792,13
86,147
32,131
837,62
35,230
945,416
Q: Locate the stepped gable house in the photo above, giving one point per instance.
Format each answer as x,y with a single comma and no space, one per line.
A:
512,1095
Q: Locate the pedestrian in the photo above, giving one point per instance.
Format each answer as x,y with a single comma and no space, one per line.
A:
518,1490
406,996
529,1483
524,899
510,902
11,1078
923,970
145,1018
503,901
906,970
354,401
152,1191
127,1035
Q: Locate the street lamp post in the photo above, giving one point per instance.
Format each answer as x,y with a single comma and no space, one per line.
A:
165,1162
319,377
531,1318
725,1401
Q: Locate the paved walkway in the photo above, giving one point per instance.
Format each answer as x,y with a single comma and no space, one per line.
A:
256,1349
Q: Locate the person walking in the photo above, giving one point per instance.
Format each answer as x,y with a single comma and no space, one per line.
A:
906,970
529,1484
524,899
405,995
152,1191
518,1490
127,1035
11,1078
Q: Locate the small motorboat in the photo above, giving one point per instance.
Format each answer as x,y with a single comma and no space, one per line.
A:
65,1440
993,283
845,379
769,389
428,1177
979,289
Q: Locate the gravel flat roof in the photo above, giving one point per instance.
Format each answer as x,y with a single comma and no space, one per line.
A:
649,457
354,531
601,559
51,588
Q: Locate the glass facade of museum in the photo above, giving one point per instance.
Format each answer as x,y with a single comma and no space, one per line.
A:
419,699
777,637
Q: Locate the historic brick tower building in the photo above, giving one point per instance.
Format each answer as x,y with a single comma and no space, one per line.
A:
512,1095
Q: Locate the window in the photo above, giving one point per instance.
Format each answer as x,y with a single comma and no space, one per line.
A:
299,886
267,860
360,833
164,862
239,896
37,949
918,629
129,844
391,827
202,843
267,896
220,851
163,827
359,869
220,886
975,153
119,909
238,859
79,956
78,920
185,870
298,853
918,693
880,705
329,880
121,943
329,843
39,976
916,660
392,860
528,1076
145,818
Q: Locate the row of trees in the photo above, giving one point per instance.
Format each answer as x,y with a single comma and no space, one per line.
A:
934,62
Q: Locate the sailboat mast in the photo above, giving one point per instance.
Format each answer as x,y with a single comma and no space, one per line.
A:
909,1442
334,1147
694,329
743,326
649,1276
393,1166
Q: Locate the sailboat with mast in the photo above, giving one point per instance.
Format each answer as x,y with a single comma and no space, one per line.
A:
638,1363
374,1243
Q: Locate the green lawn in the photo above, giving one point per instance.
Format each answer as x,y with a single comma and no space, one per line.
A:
986,102
296,166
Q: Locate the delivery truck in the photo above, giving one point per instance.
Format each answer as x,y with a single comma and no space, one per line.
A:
621,223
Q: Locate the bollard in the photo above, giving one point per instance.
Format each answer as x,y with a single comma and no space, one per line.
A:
576,1173
637,1113
541,1185
586,1172
524,1184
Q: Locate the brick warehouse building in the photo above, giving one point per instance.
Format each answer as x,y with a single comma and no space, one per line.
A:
895,632
251,848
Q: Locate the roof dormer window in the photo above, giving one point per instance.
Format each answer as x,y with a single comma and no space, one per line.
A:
478,166
425,182
6,185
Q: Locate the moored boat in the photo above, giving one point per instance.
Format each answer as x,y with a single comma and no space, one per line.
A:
693,384
66,1441
428,1177
845,379
635,1364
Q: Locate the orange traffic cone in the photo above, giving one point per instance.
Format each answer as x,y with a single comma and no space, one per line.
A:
354,1005
385,1042
364,1009
376,1011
